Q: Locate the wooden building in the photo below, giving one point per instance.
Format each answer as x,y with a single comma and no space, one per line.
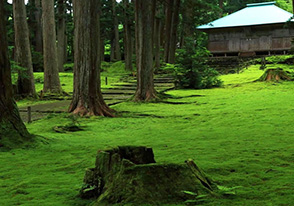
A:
258,29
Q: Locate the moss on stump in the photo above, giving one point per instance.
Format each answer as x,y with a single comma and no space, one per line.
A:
129,175
275,75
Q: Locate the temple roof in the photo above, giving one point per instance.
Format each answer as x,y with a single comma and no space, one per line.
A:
253,14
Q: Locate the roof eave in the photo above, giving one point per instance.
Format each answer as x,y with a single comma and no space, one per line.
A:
231,27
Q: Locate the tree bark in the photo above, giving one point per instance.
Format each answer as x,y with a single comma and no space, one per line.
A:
188,21
38,29
51,76
173,32
61,34
144,46
12,129
221,6
168,26
23,56
157,37
87,97
115,40
128,40
102,49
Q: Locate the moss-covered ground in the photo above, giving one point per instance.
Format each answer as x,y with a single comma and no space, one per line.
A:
240,135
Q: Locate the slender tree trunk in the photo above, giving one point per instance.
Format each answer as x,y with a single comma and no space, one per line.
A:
23,56
102,49
157,29
112,50
116,46
174,31
128,37
144,45
61,34
51,76
221,6
168,28
65,49
12,129
188,20
38,29
87,97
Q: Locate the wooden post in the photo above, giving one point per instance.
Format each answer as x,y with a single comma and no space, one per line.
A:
106,81
29,115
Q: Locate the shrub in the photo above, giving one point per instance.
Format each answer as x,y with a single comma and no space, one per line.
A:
192,70
68,67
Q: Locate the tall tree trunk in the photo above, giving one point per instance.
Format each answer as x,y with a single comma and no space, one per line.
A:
38,29
171,27
61,34
188,20
144,46
102,49
174,31
157,30
221,6
115,43
65,49
168,28
23,56
12,129
51,76
87,97
128,43
112,50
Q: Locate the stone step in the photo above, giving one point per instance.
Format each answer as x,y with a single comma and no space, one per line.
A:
134,85
108,98
118,92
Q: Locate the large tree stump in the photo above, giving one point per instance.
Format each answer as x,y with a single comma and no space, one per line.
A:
275,75
130,175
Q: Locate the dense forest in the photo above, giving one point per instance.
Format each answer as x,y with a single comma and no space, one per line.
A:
65,52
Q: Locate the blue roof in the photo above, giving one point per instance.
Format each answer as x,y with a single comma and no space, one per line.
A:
253,14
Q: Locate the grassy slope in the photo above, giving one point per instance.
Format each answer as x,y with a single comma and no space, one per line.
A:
241,135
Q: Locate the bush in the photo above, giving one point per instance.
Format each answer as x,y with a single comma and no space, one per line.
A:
68,67
192,70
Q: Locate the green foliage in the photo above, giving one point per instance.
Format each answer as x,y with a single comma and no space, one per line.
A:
227,190
68,67
72,126
231,6
192,70
17,70
277,59
167,68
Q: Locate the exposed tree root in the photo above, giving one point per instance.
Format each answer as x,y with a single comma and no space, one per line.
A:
99,108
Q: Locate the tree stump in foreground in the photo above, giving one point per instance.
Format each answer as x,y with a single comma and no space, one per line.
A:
275,75
130,175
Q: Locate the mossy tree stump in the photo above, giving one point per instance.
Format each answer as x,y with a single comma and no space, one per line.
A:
130,175
275,75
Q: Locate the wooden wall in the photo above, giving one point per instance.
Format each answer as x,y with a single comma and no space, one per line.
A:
250,39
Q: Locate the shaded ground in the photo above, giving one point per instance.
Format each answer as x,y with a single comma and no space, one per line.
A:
119,92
